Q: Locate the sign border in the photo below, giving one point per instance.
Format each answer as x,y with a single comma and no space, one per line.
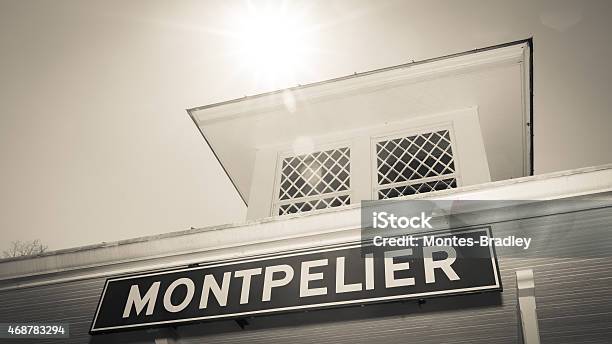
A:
496,287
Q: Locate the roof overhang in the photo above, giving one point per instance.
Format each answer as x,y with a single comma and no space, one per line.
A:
495,79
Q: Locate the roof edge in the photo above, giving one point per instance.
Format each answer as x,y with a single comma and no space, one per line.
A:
527,41
444,194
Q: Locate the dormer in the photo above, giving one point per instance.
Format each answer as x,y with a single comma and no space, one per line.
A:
421,127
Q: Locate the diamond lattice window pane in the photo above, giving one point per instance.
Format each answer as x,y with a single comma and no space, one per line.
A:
314,177
403,161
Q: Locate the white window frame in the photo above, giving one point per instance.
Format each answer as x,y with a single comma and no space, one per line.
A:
407,133
288,153
469,157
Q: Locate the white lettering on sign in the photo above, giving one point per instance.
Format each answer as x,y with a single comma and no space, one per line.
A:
139,302
391,267
246,282
220,292
306,276
168,295
281,275
444,264
340,286
270,283
369,271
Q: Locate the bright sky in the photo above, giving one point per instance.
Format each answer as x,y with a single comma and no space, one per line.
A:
95,143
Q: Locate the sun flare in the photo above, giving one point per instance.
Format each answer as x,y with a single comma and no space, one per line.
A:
273,44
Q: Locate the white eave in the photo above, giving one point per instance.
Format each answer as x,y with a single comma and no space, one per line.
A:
229,242
235,129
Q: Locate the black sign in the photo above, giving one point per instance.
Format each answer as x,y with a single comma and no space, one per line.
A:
328,277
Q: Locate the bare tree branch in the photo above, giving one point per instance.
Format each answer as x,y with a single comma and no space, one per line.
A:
25,248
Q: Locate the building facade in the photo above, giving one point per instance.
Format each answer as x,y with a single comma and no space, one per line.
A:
453,129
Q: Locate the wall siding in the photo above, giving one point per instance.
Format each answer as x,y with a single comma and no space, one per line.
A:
570,260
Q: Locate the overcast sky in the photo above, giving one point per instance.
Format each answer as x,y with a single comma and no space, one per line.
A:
95,143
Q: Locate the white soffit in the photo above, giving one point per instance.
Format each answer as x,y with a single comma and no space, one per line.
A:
496,80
